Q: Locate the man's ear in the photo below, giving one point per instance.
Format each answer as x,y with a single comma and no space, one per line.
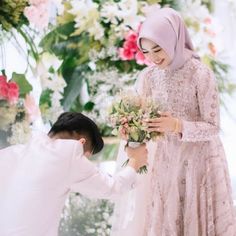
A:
82,140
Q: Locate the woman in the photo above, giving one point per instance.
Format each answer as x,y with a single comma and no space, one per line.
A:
187,190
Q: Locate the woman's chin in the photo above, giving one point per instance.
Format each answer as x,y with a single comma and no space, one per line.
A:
162,66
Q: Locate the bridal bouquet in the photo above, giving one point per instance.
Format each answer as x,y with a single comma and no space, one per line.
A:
127,115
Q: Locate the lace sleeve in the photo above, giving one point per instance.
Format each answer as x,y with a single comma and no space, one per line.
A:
208,101
141,86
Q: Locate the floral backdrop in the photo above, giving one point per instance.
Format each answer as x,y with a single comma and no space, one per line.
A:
96,41
83,52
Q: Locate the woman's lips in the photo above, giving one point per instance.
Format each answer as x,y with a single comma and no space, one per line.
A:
159,62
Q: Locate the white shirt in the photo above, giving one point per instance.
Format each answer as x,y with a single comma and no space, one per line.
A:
35,180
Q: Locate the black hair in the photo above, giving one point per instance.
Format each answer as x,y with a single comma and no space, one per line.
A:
81,124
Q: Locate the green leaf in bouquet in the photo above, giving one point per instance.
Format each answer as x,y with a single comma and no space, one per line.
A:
134,134
24,85
137,123
115,132
142,135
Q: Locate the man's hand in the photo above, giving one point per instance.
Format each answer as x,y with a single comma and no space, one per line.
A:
137,156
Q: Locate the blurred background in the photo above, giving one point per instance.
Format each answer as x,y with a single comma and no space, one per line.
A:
77,55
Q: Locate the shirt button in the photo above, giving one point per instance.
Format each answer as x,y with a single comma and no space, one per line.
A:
183,181
181,199
133,185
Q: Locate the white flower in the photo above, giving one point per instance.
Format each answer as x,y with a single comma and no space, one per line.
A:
97,31
129,13
106,216
49,60
86,14
111,13
90,231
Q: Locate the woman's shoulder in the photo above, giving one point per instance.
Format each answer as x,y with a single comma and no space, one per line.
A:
202,74
199,67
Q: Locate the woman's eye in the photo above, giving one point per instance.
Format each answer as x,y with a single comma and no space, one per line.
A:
144,52
158,50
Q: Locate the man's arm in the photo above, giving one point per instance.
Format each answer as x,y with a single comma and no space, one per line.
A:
88,180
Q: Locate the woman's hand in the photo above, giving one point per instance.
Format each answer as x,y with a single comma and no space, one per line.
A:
166,123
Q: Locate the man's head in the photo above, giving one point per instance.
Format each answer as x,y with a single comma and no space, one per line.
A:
74,125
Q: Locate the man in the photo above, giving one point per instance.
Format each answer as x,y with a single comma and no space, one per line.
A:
36,178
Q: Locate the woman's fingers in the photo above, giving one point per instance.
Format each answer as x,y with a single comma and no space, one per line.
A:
156,129
154,120
151,125
165,114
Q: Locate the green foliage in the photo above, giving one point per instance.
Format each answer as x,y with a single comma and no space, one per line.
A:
60,34
45,98
221,73
24,85
11,13
74,85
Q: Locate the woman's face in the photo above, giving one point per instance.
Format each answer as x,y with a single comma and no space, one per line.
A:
154,53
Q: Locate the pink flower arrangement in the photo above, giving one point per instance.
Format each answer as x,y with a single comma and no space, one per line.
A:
37,13
8,90
130,50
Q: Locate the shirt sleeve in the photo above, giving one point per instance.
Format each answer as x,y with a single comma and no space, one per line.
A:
88,180
208,101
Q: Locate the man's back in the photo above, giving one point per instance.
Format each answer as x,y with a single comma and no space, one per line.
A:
35,185
38,179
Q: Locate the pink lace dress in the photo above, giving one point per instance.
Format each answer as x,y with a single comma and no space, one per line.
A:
189,192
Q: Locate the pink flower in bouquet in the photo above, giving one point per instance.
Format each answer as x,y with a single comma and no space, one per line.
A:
212,49
13,92
37,15
123,120
31,108
126,54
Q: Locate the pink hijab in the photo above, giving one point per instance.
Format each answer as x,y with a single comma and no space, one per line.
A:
166,28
